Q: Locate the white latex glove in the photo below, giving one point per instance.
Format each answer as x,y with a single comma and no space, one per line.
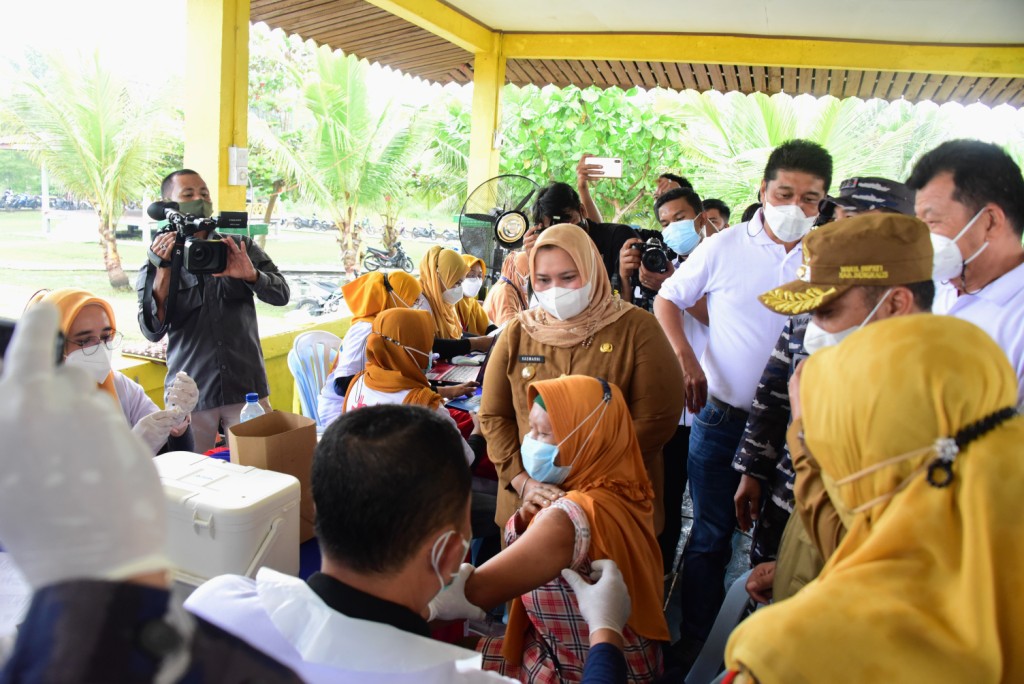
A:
604,604
183,393
156,427
451,602
79,495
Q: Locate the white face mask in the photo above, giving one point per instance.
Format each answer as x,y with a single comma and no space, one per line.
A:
98,363
948,262
421,304
788,221
437,552
452,295
471,286
563,303
817,338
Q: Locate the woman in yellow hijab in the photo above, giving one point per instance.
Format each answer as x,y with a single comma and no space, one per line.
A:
366,297
912,422
397,358
441,274
471,312
90,336
581,439
508,297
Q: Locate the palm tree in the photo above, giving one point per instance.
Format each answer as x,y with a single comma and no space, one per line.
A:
355,155
95,136
727,138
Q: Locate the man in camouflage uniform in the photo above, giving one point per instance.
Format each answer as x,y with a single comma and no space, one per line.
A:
763,457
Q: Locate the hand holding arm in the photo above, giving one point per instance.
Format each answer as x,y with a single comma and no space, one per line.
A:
451,602
605,604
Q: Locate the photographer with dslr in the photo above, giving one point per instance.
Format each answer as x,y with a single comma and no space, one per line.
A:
209,317
646,261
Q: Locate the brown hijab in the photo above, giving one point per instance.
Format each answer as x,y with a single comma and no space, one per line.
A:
604,309
389,366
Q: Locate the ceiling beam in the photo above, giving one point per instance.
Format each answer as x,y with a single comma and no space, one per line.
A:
442,21
974,60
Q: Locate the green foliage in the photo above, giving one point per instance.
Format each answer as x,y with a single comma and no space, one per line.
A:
546,131
97,137
353,154
18,172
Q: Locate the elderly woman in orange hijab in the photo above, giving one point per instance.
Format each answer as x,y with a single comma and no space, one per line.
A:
581,328
912,423
471,312
509,295
366,297
580,439
90,337
442,273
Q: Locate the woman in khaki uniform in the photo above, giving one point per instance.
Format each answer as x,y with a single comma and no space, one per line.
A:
580,328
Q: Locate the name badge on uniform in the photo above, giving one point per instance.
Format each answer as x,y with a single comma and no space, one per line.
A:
528,358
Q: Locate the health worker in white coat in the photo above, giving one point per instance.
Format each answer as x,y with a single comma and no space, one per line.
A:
90,338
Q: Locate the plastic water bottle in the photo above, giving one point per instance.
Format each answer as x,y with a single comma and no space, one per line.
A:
252,408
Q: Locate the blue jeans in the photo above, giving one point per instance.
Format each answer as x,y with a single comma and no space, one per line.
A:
715,434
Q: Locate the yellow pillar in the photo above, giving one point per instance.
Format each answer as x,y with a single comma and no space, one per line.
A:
217,93
488,80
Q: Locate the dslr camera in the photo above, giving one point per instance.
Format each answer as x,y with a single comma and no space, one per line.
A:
200,256
654,255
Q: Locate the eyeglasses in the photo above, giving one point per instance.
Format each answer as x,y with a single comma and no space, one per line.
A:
90,344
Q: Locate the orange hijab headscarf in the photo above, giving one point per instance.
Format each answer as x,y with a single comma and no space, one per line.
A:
440,269
471,314
368,295
609,482
389,366
604,309
69,302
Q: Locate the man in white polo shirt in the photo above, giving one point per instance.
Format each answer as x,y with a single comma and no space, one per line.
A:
731,269
971,195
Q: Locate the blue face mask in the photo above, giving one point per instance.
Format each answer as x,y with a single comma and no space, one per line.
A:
681,236
539,461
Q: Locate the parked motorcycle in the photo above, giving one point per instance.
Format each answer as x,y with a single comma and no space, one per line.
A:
376,258
424,232
321,297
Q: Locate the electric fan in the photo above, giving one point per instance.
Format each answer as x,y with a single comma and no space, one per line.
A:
493,220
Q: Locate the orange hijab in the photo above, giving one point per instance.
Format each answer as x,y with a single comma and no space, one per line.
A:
389,367
367,295
604,309
609,482
446,265
70,301
472,316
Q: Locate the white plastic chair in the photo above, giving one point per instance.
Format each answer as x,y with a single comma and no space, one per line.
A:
313,356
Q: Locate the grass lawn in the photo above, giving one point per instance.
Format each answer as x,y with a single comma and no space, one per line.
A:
68,255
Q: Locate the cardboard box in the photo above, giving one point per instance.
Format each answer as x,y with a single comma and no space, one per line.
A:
283,442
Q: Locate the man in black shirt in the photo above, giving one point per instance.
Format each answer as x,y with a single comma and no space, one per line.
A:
559,203
212,331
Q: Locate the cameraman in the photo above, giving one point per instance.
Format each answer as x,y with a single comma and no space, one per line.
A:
678,210
212,331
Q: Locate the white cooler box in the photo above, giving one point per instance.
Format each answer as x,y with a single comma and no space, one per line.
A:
224,518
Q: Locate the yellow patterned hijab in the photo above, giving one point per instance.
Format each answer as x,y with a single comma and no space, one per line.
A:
926,585
440,269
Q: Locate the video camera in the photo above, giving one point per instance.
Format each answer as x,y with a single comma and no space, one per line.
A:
200,256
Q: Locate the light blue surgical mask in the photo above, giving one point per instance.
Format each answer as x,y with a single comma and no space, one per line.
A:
681,236
539,461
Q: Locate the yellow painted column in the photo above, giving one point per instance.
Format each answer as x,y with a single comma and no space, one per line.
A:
217,93
488,80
